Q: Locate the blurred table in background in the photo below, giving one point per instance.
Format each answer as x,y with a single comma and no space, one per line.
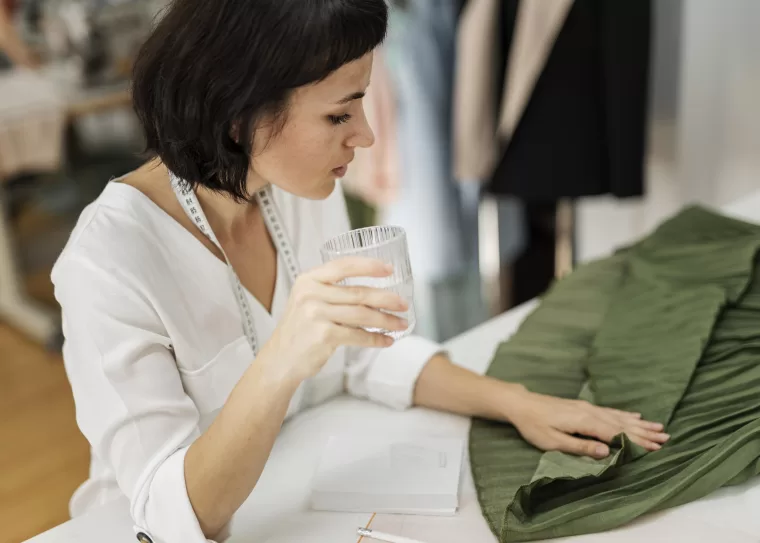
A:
90,101
32,121
36,109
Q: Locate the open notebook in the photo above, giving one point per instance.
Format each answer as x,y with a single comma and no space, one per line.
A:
389,475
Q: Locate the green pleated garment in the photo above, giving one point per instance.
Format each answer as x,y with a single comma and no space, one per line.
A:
669,327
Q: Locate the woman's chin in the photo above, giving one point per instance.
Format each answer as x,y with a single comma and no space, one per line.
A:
326,189
317,191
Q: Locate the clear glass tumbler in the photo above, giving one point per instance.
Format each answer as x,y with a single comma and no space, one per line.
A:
385,243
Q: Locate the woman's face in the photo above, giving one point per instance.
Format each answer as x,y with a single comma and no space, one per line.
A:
324,124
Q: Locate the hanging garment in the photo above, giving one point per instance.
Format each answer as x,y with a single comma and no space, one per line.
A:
486,109
479,72
670,328
582,129
420,53
476,81
569,117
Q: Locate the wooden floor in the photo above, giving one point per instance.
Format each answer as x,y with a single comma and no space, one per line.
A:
44,457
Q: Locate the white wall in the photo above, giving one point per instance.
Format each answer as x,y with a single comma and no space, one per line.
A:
705,121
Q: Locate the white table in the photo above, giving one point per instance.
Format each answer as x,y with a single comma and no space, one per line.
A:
277,510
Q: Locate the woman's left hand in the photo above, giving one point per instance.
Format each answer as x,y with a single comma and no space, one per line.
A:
548,422
552,423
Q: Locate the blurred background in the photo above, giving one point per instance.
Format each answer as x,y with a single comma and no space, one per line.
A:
515,140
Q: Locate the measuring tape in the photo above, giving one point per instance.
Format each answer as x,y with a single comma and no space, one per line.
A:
189,200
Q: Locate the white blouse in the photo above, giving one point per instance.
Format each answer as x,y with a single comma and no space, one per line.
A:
155,344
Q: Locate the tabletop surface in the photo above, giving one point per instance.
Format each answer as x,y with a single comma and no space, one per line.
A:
277,510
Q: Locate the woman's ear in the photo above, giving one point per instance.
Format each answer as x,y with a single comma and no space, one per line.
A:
235,131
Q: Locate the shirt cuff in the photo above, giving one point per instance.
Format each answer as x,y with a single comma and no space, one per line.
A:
168,514
394,371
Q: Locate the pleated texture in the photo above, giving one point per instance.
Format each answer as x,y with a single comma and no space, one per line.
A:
670,328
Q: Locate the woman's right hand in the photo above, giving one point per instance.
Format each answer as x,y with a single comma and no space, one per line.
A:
322,316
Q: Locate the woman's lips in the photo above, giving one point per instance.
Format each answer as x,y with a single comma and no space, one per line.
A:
340,172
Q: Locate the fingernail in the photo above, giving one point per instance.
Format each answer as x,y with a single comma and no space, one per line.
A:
404,324
665,436
602,450
389,268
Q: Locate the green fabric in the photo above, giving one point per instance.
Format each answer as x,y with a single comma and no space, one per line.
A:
360,213
670,328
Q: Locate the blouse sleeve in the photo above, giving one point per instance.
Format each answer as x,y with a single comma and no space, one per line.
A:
130,402
386,376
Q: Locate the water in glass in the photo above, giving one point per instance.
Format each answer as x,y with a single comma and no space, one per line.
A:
385,243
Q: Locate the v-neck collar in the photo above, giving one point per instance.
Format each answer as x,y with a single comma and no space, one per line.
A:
279,296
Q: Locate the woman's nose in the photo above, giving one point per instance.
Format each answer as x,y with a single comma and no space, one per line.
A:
363,137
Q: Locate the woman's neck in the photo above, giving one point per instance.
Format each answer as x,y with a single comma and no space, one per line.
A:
229,219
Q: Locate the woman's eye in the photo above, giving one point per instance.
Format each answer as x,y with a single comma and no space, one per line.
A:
339,119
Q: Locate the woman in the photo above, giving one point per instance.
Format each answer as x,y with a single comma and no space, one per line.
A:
181,379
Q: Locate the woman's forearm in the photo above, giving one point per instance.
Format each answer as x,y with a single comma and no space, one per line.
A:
223,465
445,386
547,422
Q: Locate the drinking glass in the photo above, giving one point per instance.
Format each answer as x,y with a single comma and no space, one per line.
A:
387,244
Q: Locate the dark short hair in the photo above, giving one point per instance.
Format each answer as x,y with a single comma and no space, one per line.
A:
210,65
